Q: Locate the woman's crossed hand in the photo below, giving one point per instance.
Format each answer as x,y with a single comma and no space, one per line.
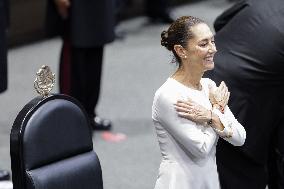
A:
192,111
219,97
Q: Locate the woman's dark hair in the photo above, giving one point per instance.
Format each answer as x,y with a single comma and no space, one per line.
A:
179,33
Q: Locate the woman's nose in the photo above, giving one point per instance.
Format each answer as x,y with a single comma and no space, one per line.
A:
212,48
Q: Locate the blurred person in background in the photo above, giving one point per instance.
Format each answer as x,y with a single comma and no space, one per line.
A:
3,43
158,11
250,58
4,12
4,175
86,27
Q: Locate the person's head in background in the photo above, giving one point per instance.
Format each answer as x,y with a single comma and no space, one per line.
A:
192,43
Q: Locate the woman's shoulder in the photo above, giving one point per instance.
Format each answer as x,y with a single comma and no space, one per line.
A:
207,82
169,91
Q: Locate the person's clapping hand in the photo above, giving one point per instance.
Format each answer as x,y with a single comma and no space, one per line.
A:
192,111
62,7
219,96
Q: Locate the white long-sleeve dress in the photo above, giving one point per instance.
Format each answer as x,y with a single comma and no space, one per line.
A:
188,149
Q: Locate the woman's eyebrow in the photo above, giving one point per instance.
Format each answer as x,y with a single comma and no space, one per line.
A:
207,39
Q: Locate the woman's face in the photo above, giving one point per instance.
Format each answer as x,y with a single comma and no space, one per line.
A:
201,48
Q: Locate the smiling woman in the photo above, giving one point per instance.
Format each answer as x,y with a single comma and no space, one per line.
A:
190,113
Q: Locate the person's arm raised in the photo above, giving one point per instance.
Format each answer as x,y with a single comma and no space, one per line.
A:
187,133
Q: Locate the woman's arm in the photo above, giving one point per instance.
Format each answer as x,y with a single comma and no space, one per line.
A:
186,132
223,121
233,131
224,124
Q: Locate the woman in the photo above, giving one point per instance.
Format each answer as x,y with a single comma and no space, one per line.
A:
190,112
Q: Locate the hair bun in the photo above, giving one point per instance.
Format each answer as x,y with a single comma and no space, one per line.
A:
164,39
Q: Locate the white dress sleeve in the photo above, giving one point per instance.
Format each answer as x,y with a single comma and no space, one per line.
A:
233,131
197,141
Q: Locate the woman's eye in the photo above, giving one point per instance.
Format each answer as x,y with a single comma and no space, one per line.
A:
203,44
213,42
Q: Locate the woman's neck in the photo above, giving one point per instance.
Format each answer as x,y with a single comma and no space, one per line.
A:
188,77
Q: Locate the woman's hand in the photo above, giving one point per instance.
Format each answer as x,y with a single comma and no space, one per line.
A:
220,96
192,111
62,7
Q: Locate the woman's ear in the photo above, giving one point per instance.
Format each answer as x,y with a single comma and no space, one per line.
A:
181,52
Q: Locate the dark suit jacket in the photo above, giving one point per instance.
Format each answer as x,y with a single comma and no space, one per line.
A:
250,59
90,24
3,45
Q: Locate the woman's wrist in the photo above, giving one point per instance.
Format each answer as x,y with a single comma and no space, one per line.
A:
216,123
209,117
219,107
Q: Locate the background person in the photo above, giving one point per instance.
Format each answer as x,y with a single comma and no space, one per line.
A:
250,59
4,16
4,175
158,11
86,26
